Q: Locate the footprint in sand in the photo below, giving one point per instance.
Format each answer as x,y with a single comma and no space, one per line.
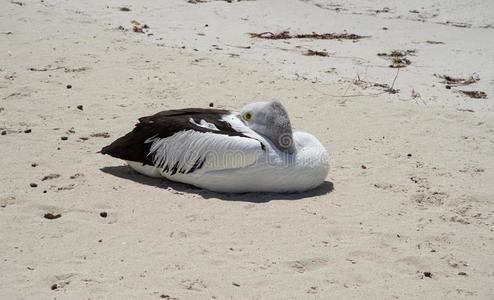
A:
7,201
307,265
60,281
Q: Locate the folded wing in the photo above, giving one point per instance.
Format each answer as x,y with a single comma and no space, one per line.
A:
178,141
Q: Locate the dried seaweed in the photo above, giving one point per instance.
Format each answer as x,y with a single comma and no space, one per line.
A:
400,62
397,53
457,24
140,29
47,68
315,53
50,176
475,94
273,36
392,91
456,81
398,57
325,36
101,134
75,70
383,10
366,84
434,42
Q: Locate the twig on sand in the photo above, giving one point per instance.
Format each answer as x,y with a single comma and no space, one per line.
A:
390,90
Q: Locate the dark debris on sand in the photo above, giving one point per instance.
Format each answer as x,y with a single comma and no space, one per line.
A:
397,53
399,62
51,216
457,81
325,36
315,53
17,3
475,94
50,176
139,28
101,135
398,57
367,84
434,42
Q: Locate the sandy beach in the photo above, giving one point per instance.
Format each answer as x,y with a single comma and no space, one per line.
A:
406,211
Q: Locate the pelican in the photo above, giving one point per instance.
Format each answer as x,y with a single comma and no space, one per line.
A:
253,150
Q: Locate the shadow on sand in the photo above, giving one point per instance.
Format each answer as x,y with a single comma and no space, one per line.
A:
126,172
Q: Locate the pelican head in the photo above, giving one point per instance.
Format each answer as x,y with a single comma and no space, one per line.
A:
270,119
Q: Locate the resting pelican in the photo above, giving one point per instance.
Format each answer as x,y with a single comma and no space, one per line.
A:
224,151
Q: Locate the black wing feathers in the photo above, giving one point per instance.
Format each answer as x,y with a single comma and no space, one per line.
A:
132,146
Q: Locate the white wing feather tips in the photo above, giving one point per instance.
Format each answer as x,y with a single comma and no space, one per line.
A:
204,124
218,151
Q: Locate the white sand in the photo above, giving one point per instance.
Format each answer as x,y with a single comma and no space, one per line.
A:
465,51
366,233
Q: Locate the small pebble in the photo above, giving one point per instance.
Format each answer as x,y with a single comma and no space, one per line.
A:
211,104
51,216
27,131
34,165
64,138
448,87
33,185
428,274
45,191
363,167
80,107
462,273
69,86
54,286
4,132
409,155
103,214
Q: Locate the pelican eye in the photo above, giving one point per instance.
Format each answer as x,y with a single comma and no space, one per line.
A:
247,116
